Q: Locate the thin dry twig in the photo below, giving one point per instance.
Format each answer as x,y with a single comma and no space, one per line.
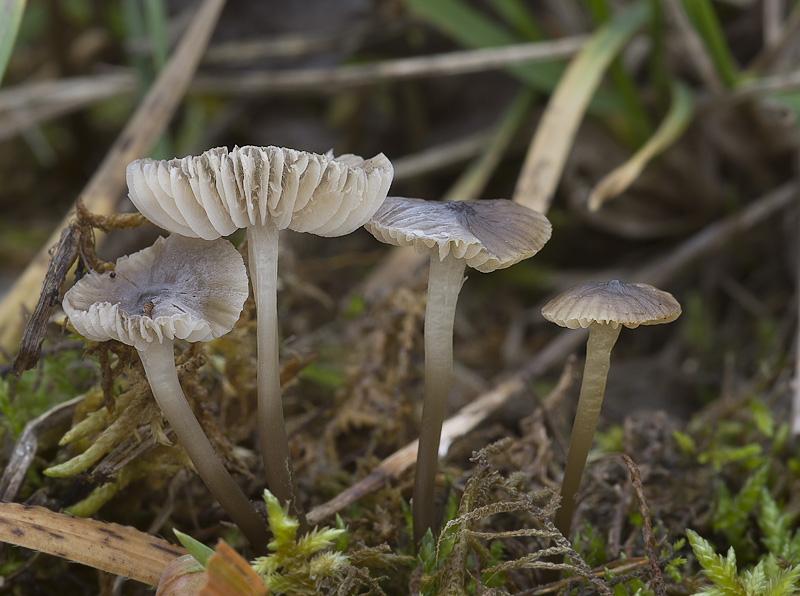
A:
64,256
440,156
773,11
647,531
694,46
772,54
784,81
349,38
26,105
29,104
334,79
27,444
77,242
795,412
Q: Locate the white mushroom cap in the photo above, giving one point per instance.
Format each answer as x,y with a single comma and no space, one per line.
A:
179,288
612,303
487,234
213,194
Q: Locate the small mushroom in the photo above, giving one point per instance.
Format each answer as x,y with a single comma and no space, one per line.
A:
265,190
604,308
179,288
486,235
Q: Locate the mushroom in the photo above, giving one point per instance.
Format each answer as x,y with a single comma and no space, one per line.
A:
604,308
265,190
179,288
486,235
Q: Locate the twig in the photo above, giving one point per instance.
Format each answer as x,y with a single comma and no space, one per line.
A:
647,531
25,105
77,242
292,44
694,46
773,11
771,84
64,256
795,413
629,565
440,156
29,104
715,236
334,79
27,443
769,58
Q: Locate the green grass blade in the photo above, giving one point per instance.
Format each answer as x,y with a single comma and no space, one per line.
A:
705,20
156,22
674,123
472,28
474,179
636,128
197,549
517,15
10,17
559,124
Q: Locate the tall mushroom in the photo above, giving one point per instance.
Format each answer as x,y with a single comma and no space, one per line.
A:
486,235
604,308
179,288
265,190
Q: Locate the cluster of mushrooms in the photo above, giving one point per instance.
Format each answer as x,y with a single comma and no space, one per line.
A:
192,286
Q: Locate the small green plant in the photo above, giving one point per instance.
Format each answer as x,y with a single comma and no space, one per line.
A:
770,577
775,526
298,565
322,561
731,515
776,574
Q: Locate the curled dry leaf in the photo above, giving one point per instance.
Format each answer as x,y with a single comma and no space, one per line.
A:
228,574
182,577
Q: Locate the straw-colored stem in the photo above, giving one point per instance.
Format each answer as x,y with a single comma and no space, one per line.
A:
444,283
598,357
262,251
159,366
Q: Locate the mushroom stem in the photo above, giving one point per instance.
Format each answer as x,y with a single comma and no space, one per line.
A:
262,251
444,283
159,366
602,338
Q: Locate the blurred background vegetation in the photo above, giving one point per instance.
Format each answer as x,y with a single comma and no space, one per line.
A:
696,99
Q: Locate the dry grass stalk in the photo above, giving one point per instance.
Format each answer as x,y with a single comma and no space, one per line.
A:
110,547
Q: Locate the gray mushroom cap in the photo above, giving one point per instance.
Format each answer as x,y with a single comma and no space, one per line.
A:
613,303
178,288
215,193
487,234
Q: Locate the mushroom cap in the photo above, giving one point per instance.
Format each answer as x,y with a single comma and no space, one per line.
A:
214,194
612,303
178,288
488,234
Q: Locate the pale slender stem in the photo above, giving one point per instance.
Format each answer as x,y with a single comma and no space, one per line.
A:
159,366
444,283
598,358
262,251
